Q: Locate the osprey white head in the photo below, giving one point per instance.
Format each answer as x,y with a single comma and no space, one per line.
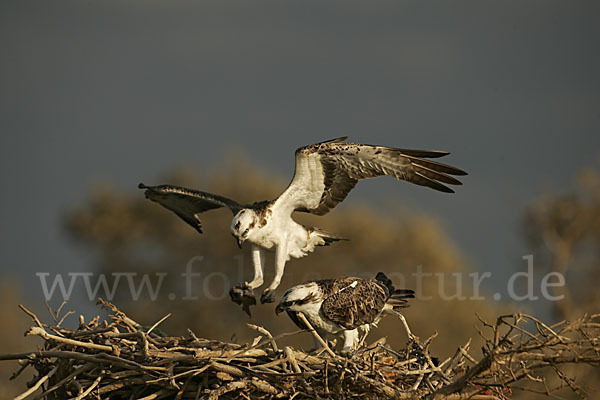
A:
296,298
242,225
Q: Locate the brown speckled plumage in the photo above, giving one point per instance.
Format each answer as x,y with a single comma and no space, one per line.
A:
350,306
352,302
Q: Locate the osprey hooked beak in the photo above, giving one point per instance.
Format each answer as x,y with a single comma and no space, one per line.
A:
279,309
238,240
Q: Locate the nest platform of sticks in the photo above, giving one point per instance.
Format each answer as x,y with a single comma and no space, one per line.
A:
118,359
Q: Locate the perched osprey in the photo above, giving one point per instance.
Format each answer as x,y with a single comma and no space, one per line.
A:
343,305
325,173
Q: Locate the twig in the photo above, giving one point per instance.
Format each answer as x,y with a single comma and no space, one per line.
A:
89,389
34,330
265,332
158,323
292,360
64,317
316,335
32,315
66,379
36,385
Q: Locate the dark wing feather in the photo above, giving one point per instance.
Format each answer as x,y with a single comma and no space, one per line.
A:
353,306
188,203
326,172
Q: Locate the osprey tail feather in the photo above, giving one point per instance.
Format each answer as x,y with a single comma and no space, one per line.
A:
326,236
398,298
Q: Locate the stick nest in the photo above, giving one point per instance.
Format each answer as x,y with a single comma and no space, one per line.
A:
119,359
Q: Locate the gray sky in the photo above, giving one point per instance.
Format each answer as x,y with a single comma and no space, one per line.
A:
122,91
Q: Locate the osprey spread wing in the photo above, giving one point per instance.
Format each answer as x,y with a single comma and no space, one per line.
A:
326,172
188,203
324,175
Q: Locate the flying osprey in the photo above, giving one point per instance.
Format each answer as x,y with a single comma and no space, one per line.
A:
325,173
344,305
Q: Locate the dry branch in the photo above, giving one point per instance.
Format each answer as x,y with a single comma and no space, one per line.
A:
116,359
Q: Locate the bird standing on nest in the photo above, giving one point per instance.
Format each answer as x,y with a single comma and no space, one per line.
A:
344,305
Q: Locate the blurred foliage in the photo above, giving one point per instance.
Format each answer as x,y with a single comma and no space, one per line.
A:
131,234
564,232
14,323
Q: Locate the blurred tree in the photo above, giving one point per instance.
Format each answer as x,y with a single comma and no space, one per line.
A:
14,323
131,234
564,233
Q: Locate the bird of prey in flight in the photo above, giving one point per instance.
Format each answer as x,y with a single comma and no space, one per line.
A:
324,175
343,306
